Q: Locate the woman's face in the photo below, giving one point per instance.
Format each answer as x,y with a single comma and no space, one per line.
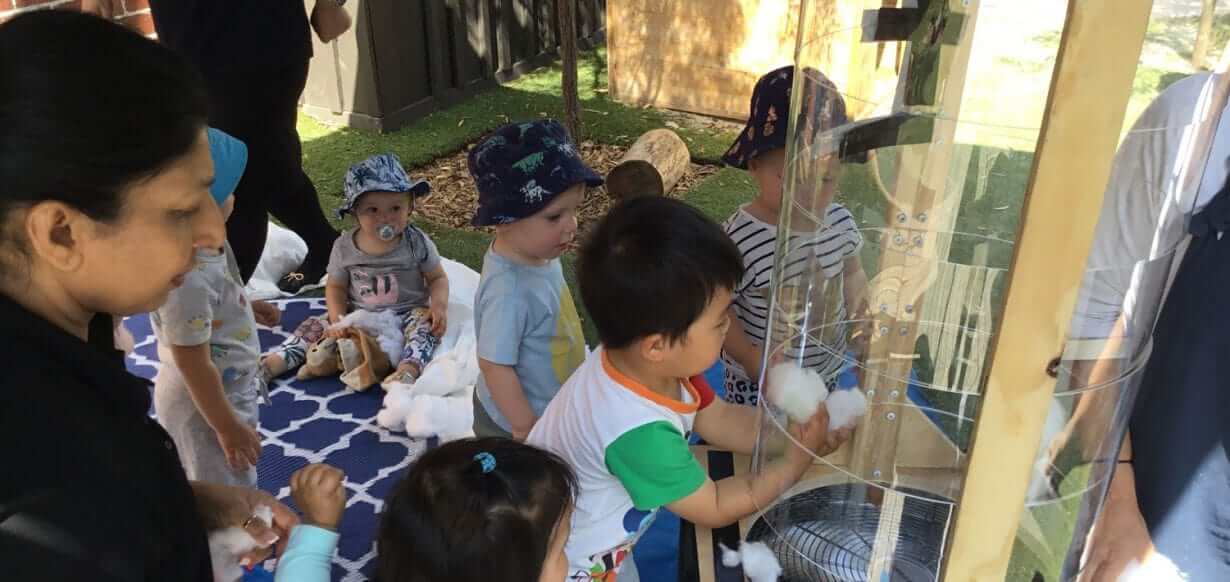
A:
131,265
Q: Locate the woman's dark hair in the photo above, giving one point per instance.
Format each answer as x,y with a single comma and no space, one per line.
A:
473,510
651,266
87,108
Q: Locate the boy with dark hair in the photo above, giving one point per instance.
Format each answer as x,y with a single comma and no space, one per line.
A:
656,276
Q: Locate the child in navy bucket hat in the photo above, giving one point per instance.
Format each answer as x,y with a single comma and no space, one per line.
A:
382,264
530,181
830,243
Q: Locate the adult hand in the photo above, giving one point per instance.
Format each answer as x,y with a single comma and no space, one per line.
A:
266,313
319,493
1119,537
329,20
221,506
241,443
104,8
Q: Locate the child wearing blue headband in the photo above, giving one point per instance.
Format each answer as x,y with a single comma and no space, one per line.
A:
208,388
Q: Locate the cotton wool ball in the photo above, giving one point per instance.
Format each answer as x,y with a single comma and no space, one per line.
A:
845,408
796,391
730,558
759,562
1157,568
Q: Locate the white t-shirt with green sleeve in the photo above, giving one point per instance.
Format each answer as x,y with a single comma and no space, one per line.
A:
629,449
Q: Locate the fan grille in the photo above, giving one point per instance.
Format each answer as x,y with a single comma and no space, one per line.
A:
826,535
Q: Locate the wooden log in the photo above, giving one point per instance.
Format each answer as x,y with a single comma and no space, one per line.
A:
652,166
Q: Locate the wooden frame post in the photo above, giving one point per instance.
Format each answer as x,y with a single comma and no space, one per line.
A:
1090,88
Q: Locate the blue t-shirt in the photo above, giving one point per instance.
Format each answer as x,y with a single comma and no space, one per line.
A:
525,319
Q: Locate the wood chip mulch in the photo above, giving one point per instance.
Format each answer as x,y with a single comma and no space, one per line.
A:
453,198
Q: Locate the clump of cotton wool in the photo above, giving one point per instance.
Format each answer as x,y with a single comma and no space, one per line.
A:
796,391
759,562
845,407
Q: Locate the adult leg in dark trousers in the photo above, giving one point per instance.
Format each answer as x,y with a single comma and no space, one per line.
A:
260,107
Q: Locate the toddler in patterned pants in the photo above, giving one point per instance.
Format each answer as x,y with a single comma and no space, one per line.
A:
385,263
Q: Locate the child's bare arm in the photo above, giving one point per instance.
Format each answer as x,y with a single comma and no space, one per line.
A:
741,347
721,503
728,426
238,440
437,285
509,397
337,298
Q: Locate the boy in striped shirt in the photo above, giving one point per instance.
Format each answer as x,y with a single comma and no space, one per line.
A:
822,261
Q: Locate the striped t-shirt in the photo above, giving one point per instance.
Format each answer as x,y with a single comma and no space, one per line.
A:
811,273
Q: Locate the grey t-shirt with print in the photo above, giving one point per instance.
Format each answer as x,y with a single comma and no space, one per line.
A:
394,280
210,307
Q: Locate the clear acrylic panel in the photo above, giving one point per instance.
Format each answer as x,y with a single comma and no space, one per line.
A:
945,107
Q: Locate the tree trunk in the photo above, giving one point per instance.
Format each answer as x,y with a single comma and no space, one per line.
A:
651,167
568,54
1200,52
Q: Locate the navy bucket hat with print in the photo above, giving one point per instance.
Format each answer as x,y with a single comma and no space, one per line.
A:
379,173
521,167
770,111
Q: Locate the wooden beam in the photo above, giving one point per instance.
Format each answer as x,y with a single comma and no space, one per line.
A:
1092,83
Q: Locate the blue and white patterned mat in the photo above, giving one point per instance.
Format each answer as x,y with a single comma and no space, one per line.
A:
318,421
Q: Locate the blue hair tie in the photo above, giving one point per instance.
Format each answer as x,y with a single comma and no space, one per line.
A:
486,461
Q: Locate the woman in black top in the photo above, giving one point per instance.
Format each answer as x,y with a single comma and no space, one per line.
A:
104,175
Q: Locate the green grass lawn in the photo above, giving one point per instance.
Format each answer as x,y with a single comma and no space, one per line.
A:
329,151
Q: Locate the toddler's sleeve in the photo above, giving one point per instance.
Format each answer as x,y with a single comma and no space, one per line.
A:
309,555
655,465
433,255
337,267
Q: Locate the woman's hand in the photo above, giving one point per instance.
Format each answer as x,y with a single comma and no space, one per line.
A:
329,20
1120,535
221,506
